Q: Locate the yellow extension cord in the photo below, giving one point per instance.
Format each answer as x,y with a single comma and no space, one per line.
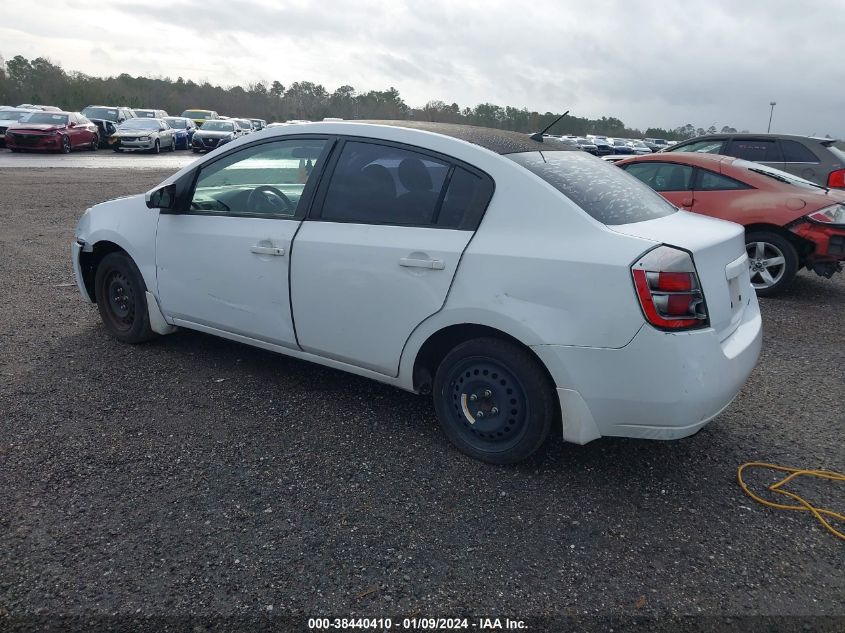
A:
805,506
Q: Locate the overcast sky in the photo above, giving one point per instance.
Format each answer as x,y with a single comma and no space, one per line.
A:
647,62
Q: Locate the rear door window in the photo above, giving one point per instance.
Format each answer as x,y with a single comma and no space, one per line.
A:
711,181
382,184
795,152
604,191
662,176
758,151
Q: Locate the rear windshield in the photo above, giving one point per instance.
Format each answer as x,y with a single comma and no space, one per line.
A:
603,190
109,114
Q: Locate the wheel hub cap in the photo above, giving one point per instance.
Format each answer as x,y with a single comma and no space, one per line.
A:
488,402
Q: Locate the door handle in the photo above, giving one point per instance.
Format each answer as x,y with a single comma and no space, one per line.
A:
433,264
266,250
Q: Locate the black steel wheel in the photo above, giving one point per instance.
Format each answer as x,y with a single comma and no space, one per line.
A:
494,401
121,300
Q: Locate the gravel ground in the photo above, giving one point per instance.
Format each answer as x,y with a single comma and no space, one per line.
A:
199,477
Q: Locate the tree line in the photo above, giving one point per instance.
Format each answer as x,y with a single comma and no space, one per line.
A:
43,82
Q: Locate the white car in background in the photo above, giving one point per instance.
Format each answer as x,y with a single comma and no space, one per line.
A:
525,285
245,125
143,135
8,116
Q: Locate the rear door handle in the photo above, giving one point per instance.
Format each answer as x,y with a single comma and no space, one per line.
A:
433,264
266,250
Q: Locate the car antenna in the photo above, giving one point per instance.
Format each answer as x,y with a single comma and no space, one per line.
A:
538,136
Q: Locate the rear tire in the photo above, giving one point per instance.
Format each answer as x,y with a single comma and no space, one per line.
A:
772,261
121,299
494,401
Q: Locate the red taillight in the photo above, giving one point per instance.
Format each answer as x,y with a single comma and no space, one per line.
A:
836,179
671,299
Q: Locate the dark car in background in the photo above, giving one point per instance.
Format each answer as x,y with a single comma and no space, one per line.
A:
587,145
214,133
183,129
52,131
620,147
107,119
603,146
815,159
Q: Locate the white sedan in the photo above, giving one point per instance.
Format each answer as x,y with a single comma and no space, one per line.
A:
528,287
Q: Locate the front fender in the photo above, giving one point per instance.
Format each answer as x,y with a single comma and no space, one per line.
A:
130,225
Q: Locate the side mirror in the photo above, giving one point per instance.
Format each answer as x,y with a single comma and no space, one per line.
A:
162,198
71,124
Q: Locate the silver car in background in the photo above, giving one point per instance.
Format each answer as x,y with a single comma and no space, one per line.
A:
143,135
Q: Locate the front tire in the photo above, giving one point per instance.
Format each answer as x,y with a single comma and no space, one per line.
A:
121,299
494,401
157,147
95,143
772,262
66,147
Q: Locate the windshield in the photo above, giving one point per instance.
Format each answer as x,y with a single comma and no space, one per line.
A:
145,114
46,117
13,115
600,188
218,126
177,124
196,114
777,174
244,123
108,114
584,141
138,124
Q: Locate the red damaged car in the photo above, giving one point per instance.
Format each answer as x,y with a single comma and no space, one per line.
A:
53,131
790,223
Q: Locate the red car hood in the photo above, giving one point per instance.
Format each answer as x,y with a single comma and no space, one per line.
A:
35,127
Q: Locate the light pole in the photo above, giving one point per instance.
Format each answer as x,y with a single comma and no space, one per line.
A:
771,114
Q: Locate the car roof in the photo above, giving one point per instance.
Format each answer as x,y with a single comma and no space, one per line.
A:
499,141
700,159
718,137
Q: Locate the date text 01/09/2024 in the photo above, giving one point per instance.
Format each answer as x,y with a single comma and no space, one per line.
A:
429,624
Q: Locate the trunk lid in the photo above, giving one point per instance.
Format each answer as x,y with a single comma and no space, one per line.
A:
718,251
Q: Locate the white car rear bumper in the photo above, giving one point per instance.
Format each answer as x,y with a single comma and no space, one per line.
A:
661,385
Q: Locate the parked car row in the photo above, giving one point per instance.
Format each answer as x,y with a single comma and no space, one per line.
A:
599,145
31,127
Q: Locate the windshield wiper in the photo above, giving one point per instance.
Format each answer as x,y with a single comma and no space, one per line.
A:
780,178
